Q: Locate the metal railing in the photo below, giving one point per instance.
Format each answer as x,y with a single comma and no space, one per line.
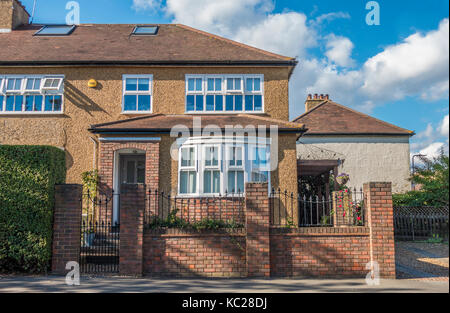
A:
164,210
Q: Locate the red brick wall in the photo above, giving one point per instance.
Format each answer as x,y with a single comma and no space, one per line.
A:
380,217
66,226
324,252
132,205
106,165
189,254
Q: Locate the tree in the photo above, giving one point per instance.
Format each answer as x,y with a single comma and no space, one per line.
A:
433,179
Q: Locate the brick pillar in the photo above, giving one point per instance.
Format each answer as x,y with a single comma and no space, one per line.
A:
257,215
379,213
66,226
132,205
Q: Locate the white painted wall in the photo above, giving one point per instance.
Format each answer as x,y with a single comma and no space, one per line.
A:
366,159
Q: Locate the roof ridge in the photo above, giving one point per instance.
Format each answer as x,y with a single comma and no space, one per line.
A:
307,112
126,120
374,118
242,45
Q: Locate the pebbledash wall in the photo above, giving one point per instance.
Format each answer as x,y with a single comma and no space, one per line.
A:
254,251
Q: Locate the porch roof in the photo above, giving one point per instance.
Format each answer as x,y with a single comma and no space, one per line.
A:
164,123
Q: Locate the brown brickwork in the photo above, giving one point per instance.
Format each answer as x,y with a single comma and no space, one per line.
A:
319,252
66,226
257,224
132,205
177,253
106,164
380,218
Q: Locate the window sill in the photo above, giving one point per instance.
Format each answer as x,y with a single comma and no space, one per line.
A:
136,113
224,113
30,113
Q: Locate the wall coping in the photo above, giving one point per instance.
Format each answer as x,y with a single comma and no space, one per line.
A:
321,231
176,232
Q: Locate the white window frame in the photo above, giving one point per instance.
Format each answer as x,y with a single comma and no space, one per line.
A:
224,92
252,160
51,89
193,168
25,92
224,145
218,167
137,92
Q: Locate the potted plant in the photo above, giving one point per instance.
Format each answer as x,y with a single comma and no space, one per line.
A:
342,178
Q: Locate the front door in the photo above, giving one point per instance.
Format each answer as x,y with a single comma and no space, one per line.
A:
132,169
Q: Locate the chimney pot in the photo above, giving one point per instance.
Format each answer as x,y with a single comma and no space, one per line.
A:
316,96
327,97
309,97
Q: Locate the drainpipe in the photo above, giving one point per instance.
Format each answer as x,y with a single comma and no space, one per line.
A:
94,159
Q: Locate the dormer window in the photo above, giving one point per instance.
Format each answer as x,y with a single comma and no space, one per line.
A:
145,30
55,30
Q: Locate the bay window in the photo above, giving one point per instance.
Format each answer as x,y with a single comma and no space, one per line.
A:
137,94
31,94
217,166
224,93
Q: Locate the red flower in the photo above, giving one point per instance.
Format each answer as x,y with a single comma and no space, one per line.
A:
358,218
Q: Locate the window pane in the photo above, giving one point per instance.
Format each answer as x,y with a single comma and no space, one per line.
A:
219,103
216,182
257,84
229,106
187,156
130,103
144,103
184,182
199,103
198,84
144,84
55,83
38,103
210,103
230,85
30,84
29,103
190,103
258,103
18,84
237,84
207,182
240,181
130,172
9,103
191,82
192,182
57,103
48,103
218,84
48,82
249,103
1,103
238,103
249,84
131,84
37,84
231,181
210,84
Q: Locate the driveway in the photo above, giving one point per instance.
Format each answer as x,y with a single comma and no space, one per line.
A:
117,284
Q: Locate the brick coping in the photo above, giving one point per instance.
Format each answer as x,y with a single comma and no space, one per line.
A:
321,231
176,232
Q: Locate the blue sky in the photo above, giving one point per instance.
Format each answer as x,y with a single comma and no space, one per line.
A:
396,71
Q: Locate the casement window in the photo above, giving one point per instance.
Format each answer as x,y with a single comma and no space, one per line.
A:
221,167
137,94
31,94
224,93
188,170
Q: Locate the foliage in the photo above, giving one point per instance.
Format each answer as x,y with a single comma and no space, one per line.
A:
90,181
173,221
433,179
28,175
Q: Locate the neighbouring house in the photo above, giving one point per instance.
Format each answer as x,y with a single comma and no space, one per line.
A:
342,140
110,95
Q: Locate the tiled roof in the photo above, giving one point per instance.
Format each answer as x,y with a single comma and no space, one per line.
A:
103,43
164,123
331,118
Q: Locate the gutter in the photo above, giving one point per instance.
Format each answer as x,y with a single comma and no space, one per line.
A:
145,131
360,134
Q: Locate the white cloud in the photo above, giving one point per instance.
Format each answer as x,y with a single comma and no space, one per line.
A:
443,128
339,50
433,150
328,17
142,5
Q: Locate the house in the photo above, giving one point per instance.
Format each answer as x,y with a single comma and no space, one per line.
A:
112,96
342,140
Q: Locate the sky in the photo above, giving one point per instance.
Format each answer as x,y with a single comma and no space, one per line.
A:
397,71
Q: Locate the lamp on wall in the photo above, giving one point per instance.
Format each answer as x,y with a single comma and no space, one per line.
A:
92,83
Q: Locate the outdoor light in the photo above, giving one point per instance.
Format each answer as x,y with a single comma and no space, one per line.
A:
92,83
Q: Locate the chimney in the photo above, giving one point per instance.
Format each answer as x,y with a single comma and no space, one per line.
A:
313,101
12,15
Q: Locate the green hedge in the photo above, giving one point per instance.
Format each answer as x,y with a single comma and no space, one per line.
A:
27,178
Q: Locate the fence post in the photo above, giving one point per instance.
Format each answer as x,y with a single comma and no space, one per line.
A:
66,227
257,220
132,206
379,210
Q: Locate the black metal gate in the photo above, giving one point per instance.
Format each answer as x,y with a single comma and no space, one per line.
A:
100,237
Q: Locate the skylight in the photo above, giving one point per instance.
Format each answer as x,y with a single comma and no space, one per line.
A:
145,30
55,30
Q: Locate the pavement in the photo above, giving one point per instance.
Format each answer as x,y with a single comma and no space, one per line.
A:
56,284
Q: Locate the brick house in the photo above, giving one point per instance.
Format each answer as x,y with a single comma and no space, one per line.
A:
194,115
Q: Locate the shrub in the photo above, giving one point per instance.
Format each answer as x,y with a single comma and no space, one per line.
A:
27,178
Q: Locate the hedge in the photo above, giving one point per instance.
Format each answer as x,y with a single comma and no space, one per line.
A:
28,175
